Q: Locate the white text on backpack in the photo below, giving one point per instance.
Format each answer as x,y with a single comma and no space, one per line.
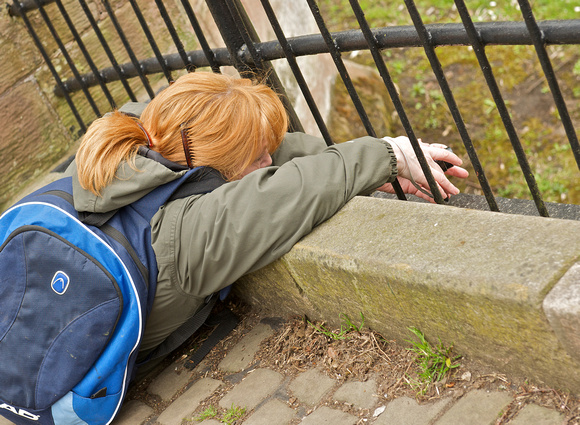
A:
19,412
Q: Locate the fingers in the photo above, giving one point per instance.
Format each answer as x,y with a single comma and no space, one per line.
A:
408,188
445,187
424,196
387,188
440,153
459,172
439,145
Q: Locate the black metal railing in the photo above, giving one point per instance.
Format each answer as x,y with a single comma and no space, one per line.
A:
249,55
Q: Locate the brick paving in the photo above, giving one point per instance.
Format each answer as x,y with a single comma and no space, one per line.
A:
271,398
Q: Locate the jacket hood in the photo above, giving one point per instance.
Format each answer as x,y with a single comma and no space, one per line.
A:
129,185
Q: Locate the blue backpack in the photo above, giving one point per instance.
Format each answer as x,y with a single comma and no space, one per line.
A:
74,297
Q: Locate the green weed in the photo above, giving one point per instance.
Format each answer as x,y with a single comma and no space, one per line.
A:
230,416
233,414
346,327
209,413
434,361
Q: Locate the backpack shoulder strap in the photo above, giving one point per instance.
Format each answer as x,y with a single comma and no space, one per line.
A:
195,182
204,180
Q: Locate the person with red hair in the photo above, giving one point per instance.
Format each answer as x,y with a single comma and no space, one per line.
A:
275,186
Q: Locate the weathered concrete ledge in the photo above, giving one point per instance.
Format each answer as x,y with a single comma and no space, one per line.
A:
503,288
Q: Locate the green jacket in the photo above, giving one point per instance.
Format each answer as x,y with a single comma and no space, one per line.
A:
206,242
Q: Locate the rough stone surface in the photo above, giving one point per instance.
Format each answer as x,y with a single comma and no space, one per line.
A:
405,410
183,407
359,394
19,55
243,353
132,413
310,386
168,383
327,416
273,412
537,415
31,118
489,407
562,308
482,287
25,116
258,385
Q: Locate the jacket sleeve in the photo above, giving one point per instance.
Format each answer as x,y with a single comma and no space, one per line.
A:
214,239
296,145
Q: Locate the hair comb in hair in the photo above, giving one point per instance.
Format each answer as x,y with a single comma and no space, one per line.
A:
186,146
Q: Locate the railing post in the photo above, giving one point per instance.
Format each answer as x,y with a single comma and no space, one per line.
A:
230,33
237,32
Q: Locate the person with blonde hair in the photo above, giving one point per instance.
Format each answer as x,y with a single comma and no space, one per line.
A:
274,188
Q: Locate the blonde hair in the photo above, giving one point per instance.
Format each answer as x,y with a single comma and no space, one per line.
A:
226,121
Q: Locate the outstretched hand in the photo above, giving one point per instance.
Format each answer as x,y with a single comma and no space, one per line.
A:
411,176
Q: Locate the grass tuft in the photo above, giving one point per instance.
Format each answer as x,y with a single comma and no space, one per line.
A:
434,361
346,327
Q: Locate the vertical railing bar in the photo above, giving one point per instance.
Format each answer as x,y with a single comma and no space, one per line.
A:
50,66
68,59
128,48
336,56
86,54
151,40
334,51
200,36
538,40
291,58
385,75
270,74
485,66
175,37
243,31
453,108
233,40
107,50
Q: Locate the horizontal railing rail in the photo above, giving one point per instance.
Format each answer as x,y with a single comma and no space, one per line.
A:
248,54
491,33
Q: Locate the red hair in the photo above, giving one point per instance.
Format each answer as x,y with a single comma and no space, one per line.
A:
226,122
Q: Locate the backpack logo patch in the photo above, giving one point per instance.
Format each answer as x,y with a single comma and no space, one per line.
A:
60,282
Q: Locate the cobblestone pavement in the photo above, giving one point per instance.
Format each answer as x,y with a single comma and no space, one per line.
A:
177,396
310,398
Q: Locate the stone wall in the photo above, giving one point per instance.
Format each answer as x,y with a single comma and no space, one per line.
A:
31,134
501,288
38,129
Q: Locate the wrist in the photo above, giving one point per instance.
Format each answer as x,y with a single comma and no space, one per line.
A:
401,160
